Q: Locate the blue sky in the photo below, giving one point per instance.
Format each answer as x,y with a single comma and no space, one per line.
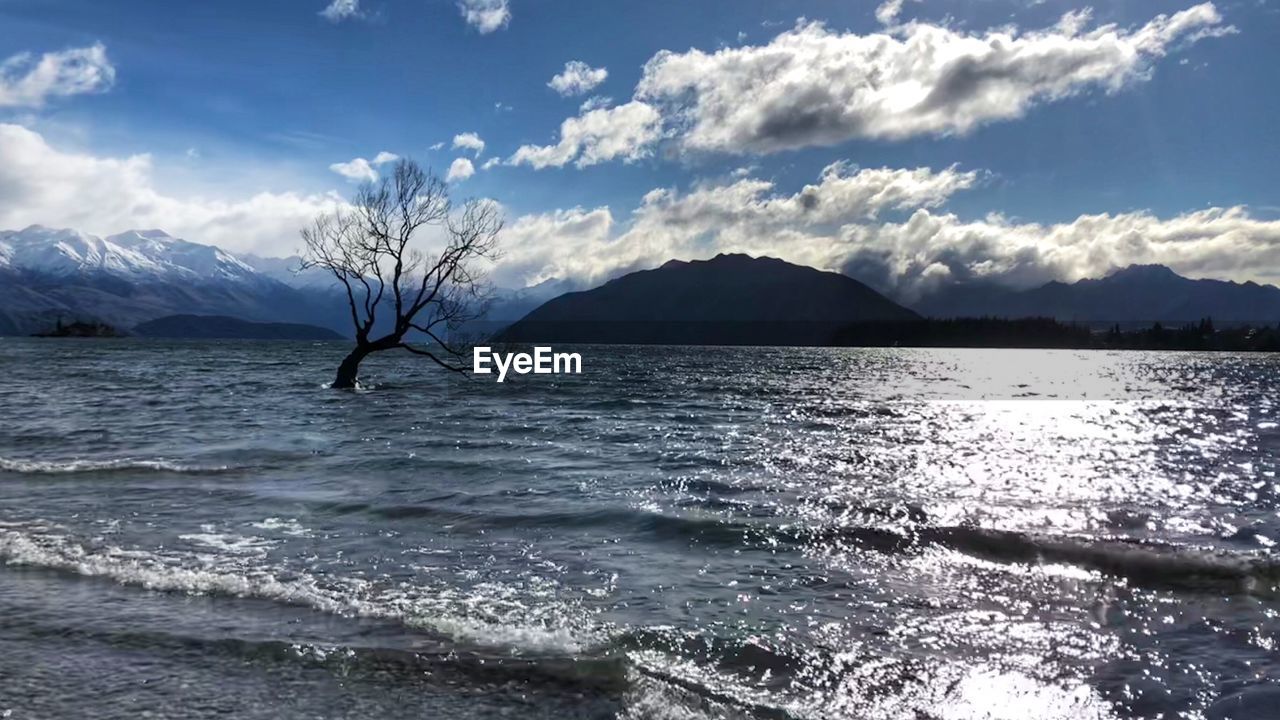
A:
211,105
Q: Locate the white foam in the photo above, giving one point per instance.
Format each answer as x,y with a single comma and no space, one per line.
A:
230,542
481,616
285,526
49,467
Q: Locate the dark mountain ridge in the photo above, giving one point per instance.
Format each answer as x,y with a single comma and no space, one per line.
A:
729,299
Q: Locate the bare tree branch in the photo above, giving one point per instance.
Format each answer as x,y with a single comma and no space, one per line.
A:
376,250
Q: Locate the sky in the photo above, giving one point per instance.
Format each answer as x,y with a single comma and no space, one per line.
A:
908,143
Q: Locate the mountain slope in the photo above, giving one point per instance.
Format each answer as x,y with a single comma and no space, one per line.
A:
133,277
136,254
222,327
1136,294
730,299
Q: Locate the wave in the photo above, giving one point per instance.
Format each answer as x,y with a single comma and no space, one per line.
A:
601,663
905,530
1143,562
443,665
336,596
71,467
611,665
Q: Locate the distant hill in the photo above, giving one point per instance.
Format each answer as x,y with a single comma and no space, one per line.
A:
730,299
211,327
1138,294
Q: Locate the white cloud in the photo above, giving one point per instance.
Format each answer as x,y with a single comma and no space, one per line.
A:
559,244
595,102
491,163
577,78
40,184
26,81
356,170
839,223
811,86
627,132
469,141
362,170
888,11
930,249
460,170
340,10
485,16
436,146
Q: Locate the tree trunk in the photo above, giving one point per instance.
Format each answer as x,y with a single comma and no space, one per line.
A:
348,372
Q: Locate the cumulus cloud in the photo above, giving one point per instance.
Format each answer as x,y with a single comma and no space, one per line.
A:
814,86
460,170
469,141
491,163
486,16
40,184
356,170
577,78
883,226
362,170
888,11
28,81
627,132
340,10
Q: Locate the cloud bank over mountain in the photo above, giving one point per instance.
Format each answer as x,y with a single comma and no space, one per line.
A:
839,223
40,184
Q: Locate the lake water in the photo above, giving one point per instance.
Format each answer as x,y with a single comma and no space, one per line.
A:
195,530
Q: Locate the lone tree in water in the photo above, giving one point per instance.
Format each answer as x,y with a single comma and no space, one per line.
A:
399,297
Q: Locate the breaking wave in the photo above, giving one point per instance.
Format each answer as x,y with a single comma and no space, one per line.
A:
434,612
70,467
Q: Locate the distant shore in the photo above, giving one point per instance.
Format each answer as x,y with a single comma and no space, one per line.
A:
994,333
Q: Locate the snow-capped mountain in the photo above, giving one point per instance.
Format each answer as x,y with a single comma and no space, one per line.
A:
48,274
140,255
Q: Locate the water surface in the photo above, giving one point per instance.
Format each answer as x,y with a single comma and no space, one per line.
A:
198,530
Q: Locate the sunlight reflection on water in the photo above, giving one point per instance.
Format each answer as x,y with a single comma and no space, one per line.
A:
686,532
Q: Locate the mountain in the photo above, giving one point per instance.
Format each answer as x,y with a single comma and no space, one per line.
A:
509,305
49,274
229,328
136,255
730,299
1138,294
289,271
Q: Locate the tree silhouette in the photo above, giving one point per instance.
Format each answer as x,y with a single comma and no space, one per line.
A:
399,296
